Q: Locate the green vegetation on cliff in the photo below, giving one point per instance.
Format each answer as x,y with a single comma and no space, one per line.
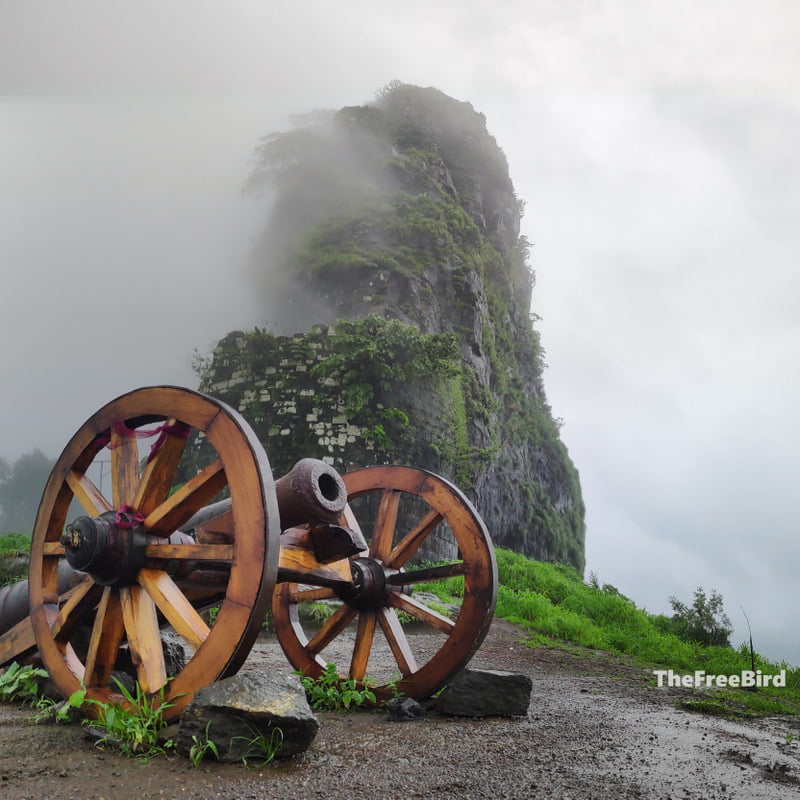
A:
361,380
402,210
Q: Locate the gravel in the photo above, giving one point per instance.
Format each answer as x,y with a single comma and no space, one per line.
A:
597,727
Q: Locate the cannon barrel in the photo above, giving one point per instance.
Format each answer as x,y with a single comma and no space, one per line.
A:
312,492
14,597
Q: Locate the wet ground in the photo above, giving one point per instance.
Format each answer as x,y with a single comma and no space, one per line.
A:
596,728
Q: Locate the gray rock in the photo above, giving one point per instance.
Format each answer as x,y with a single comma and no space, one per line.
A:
404,709
242,715
484,693
174,653
174,657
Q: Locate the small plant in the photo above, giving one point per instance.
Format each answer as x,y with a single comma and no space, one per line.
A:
61,713
201,747
134,727
391,687
262,748
21,684
317,613
330,692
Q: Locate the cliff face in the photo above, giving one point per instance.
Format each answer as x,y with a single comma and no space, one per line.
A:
397,291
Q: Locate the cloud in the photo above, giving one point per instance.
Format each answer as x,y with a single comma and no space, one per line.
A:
655,145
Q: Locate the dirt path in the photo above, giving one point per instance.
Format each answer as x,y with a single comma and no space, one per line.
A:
595,729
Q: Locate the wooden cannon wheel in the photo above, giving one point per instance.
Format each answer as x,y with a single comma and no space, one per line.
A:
403,512
135,571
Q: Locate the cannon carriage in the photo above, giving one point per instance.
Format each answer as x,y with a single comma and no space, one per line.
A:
110,569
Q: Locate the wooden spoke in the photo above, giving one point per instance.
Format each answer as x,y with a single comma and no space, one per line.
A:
181,506
398,642
17,642
330,629
349,520
87,494
159,474
105,639
428,574
124,468
74,664
144,640
385,525
412,541
172,603
50,581
71,609
421,612
363,646
298,595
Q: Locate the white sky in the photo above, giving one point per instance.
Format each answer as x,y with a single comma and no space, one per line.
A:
655,144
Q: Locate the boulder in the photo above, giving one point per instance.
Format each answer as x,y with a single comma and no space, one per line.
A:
485,693
404,709
248,714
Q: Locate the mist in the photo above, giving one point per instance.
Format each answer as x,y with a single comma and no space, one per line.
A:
654,145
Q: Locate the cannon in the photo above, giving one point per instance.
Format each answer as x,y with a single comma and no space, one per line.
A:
110,569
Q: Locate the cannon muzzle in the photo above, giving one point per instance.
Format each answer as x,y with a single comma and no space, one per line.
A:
310,493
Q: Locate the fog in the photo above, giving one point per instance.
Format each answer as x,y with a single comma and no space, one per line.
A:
654,143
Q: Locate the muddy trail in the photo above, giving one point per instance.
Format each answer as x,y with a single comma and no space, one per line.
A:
596,728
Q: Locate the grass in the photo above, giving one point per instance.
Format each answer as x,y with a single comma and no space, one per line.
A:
135,726
201,747
557,607
14,548
262,748
14,543
316,613
702,705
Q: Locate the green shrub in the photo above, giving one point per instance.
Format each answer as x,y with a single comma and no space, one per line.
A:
330,692
21,683
14,543
704,621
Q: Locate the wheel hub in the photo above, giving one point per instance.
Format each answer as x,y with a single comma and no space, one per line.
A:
368,589
110,548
